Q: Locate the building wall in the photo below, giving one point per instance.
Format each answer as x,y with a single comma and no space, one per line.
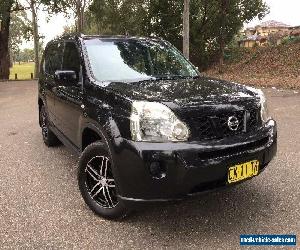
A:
265,31
264,34
247,44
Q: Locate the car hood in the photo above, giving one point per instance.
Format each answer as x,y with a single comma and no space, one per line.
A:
185,92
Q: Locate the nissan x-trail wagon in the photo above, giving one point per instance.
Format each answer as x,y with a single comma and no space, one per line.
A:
146,124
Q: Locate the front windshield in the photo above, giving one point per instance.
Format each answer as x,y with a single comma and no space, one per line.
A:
136,60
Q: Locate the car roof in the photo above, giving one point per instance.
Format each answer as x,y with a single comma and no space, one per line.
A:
75,36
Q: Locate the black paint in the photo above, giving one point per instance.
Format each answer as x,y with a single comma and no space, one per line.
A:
197,165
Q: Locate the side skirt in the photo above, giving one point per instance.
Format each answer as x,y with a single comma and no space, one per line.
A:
75,150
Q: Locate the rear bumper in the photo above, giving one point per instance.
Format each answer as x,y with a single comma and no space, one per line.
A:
187,168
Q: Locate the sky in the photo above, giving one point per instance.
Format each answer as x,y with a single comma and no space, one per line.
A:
51,28
286,11
55,26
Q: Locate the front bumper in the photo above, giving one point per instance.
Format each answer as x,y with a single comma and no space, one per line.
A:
190,168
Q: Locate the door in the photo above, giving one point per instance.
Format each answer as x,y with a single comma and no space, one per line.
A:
52,63
69,95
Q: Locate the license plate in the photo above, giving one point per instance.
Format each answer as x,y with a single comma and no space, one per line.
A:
243,171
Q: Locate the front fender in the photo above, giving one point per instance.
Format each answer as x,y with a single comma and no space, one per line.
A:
110,135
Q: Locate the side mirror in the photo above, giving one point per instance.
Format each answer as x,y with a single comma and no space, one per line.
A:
66,77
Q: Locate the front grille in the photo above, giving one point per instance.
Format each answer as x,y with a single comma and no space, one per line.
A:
222,123
215,126
253,119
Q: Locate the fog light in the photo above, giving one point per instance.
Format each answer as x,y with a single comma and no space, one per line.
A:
157,170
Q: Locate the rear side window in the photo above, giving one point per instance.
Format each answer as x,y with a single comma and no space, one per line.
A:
53,58
71,60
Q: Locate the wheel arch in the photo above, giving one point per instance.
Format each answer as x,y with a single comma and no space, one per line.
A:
107,131
89,135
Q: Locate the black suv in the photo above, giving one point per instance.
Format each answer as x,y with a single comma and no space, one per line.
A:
146,124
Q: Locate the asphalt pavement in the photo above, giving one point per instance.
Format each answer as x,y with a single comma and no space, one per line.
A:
41,207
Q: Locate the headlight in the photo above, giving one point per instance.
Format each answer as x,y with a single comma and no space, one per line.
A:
265,116
155,122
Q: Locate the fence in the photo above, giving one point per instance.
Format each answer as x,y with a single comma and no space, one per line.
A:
22,71
16,76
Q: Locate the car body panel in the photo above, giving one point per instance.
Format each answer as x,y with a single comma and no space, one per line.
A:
203,90
105,108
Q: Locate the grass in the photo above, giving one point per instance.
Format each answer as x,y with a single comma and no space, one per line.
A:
23,71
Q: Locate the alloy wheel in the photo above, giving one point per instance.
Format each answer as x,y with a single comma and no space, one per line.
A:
100,182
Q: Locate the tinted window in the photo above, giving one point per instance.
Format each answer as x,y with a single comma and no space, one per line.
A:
53,58
71,59
133,60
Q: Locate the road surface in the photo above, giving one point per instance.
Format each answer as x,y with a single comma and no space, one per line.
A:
41,207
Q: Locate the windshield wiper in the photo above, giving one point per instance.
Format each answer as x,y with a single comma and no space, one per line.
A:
165,77
172,77
151,79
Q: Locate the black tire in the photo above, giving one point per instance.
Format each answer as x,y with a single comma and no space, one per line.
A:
49,137
96,182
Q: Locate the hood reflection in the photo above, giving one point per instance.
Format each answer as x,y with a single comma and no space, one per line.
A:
188,91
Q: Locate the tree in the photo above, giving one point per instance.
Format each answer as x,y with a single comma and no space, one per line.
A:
69,29
224,4
118,17
211,27
186,28
231,16
9,6
79,7
20,30
34,6
5,10
25,55
53,6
